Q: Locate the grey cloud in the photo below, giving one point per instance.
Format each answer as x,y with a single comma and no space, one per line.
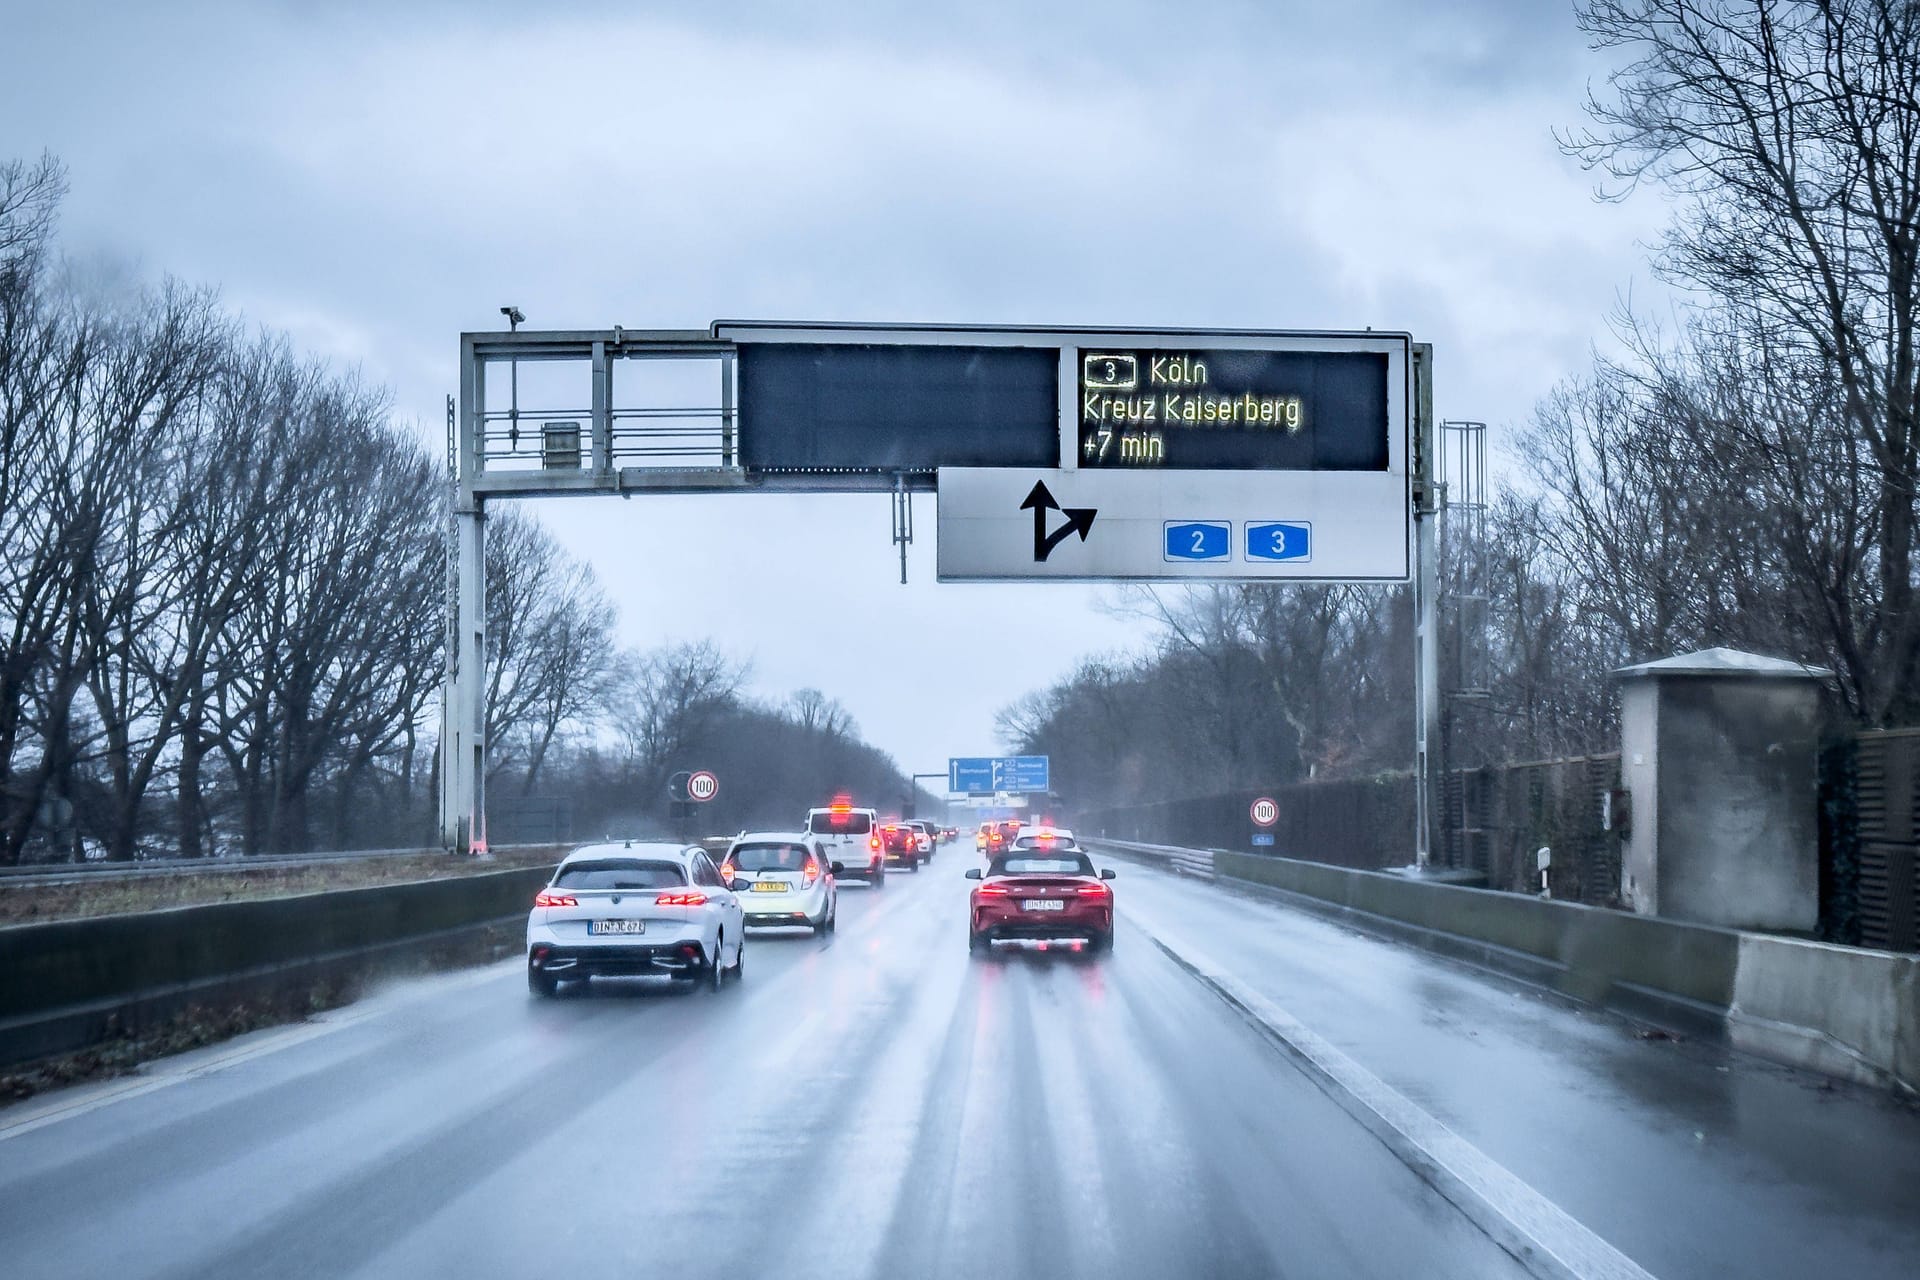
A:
379,177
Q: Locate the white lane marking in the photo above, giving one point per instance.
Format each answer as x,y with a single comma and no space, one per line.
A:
1543,1236
67,1104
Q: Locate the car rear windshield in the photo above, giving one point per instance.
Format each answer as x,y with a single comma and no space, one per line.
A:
1060,865
619,873
839,824
769,857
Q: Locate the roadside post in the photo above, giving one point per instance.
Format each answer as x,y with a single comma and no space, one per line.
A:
1264,812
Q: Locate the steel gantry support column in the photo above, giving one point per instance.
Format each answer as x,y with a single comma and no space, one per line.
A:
1427,501
463,705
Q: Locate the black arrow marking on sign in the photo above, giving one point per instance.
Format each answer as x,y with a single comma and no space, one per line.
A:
1079,520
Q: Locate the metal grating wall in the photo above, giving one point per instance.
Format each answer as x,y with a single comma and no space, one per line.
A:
1494,820
1887,890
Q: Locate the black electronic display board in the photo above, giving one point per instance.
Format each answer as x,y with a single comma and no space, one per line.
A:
1232,410
877,407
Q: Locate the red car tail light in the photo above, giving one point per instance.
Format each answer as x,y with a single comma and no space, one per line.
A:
992,890
545,898
1094,890
811,871
873,841
728,870
680,900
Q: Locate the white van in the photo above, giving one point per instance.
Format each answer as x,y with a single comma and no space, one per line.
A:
851,838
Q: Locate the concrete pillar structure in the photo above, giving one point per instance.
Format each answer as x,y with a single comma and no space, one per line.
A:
1719,753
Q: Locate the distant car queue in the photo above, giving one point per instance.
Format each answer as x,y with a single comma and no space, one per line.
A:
682,911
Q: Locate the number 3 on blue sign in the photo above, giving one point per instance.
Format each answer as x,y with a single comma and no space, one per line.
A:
1280,540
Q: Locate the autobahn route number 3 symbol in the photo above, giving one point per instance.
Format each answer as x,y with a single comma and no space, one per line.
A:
1264,811
702,786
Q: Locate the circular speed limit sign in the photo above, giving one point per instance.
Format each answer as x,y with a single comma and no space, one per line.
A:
702,786
1264,812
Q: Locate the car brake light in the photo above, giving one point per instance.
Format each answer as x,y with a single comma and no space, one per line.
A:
547,899
873,841
994,890
680,900
1093,890
811,871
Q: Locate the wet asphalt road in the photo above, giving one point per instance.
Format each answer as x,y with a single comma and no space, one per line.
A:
878,1104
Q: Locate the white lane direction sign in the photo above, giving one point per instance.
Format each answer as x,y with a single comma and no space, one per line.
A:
1012,523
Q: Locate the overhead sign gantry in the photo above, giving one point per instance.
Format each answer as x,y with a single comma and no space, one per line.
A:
1057,453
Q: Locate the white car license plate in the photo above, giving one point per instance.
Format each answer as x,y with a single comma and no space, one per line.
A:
617,926
1044,904
772,886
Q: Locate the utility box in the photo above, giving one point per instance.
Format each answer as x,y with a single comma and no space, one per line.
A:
1719,751
560,446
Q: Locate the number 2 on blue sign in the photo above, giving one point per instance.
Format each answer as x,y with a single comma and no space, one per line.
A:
1199,540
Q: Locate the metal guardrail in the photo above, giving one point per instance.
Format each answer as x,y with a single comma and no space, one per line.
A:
160,868
1188,862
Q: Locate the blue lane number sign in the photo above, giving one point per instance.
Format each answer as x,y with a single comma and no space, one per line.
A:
1199,540
1280,540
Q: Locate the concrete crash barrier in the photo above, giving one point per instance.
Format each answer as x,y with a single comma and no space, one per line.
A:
1843,1011
69,984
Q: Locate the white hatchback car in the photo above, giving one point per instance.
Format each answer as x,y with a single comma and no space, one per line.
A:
626,909
785,878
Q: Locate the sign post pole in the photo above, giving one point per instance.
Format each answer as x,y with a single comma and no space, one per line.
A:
463,746
1427,501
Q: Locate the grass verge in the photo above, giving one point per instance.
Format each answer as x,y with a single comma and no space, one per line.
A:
72,900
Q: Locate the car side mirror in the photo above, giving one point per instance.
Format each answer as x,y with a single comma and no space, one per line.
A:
838,868
738,885
975,873
1106,873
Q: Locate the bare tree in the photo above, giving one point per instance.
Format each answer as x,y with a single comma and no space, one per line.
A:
30,196
672,699
161,365
1790,130
550,647
814,712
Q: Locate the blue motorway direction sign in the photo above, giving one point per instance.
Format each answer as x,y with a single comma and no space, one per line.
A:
1262,838
983,775
1280,540
1199,540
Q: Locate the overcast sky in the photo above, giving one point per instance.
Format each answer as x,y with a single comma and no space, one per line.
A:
375,178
